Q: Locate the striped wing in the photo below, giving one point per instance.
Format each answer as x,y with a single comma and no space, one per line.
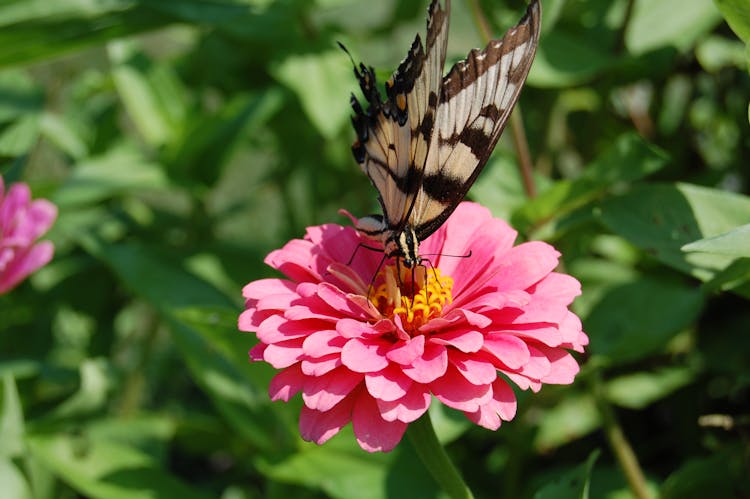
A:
477,98
393,137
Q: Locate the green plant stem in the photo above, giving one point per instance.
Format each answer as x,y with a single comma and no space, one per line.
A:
520,142
422,436
619,443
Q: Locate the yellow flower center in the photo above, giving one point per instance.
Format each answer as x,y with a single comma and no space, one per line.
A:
416,296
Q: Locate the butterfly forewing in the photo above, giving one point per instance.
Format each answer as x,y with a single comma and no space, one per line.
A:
477,97
394,135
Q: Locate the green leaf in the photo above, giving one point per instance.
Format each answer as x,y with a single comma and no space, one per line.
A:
91,395
736,242
636,319
19,137
639,390
737,15
577,414
564,60
38,29
321,82
676,23
573,484
60,133
11,421
151,95
106,469
723,474
661,219
14,483
120,171
340,473
629,158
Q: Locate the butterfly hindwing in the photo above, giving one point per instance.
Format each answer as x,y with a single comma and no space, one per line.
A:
394,135
477,97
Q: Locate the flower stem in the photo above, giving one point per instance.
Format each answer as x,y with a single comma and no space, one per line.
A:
618,442
422,436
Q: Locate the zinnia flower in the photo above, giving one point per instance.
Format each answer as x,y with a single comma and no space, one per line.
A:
22,221
458,329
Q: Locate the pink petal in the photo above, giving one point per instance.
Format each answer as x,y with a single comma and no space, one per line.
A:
324,392
25,262
525,265
408,408
406,352
388,385
322,343
563,367
465,341
502,407
374,434
338,300
319,427
365,356
293,260
262,287
321,365
276,328
511,351
286,384
256,353
283,354
476,370
430,366
455,391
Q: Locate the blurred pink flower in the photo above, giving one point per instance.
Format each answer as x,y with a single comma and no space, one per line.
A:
501,310
22,221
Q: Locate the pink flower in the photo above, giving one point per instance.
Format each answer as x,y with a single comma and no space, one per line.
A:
378,362
22,221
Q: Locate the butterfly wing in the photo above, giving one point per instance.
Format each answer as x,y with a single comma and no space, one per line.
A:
477,97
393,136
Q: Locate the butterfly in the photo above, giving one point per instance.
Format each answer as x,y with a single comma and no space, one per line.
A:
424,145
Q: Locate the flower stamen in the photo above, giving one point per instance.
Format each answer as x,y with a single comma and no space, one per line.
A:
416,296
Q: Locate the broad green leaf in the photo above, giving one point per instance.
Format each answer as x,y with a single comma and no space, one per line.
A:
13,482
573,484
661,219
736,276
717,52
737,14
736,242
91,395
150,95
563,60
321,81
722,474
340,473
98,467
641,389
576,414
676,23
19,95
629,158
636,319
11,421
121,171
60,133
19,137
38,29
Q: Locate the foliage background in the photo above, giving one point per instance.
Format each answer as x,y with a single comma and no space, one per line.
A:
183,140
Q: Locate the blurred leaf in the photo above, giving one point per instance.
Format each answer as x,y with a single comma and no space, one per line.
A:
91,395
574,484
150,95
639,390
735,277
563,60
60,133
14,483
19,96
37,29
661,219
345,474
658,23
208,143
736,242
723,474
17,138
574,417
11,421
629,158
716,52
121,171
636,319
321,82
737,14
106,469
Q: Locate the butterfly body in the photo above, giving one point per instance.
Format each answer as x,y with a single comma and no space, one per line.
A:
424,145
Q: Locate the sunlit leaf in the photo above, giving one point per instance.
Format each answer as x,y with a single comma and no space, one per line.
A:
574,484
638,390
